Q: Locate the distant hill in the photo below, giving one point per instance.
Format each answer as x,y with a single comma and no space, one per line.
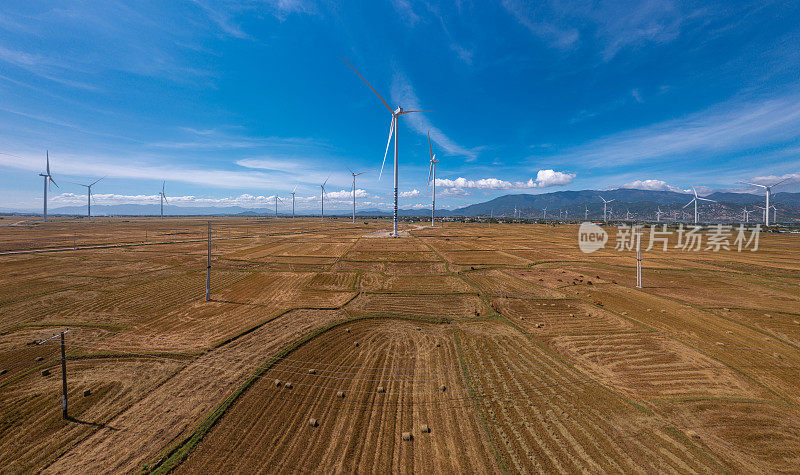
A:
573,204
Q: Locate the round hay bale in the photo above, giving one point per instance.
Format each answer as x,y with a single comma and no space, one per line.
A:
381,390
692,434
407,436
438,345
663,311
313,422
572,315
340,394
312,371
38,359
442,388
348,330
87,392
3,371
45,372
357,344
425,429
288,385
277,383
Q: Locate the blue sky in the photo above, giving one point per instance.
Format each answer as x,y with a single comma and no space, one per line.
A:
233,102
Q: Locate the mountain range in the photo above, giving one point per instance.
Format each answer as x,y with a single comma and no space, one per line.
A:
640,203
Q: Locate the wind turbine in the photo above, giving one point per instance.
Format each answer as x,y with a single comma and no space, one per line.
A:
392,129
432,173
566,213
746,215
774,214
354,192
322,195
658,214
628,215
89,197
605,204
276,204
694,200
544,213
163,197
769,192
293,192
586,213
48,178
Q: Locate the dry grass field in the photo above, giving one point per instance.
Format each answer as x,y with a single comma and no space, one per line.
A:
458,349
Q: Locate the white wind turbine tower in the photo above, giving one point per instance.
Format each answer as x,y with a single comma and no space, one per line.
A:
694,200
586,213
89,197
163,197
48,178
628,215
354,192
322,195
605,204
658,214
774,214
432,173
392,130
293,192
769,192
566,213
746,215
544,213
276,204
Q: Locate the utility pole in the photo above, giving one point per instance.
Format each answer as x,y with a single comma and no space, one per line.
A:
208,267
638,258
63,372
63,378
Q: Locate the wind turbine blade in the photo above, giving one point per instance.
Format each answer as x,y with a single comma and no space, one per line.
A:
705,199
325,182
48,162
295,188
687,204
776,184
754,184
391,129
430,147
430,170
370,85
98,180
408,112
351,171
163,184
357,174
52,181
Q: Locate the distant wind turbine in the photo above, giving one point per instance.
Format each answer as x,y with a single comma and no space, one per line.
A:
396,113
163,197
293,192
586,213
628,215
658,214
276,204
89,197
48,178
432,174
354,192
544,213
322,196
769,192
746,215
694,200
605,204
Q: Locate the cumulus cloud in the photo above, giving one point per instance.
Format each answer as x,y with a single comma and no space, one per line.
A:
770,179
544,179
408,194
346,194
654,185
245,200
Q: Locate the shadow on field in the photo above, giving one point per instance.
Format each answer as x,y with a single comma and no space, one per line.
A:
95,424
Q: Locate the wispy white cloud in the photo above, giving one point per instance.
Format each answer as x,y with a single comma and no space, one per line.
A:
407,14
409,194
402,93
544,179
733,126
770,179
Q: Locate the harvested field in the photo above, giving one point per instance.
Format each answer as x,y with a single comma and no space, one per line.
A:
459,348
363,431
437,306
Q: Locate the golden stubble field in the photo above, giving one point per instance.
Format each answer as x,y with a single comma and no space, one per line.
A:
491,348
